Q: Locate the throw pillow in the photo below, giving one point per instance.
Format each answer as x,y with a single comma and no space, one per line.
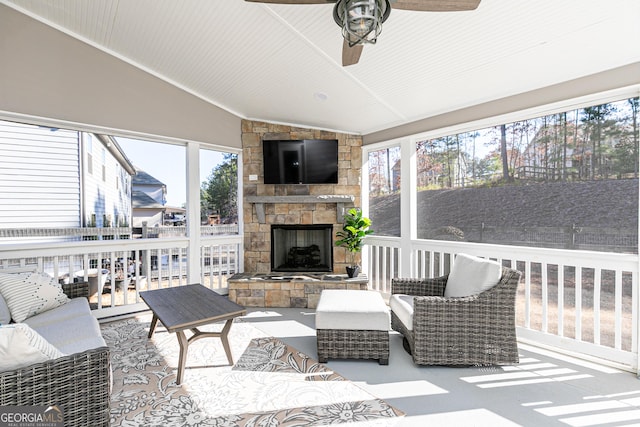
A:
471,275
5,314
28,294
21,346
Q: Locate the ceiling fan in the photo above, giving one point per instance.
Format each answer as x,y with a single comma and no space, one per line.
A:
361,20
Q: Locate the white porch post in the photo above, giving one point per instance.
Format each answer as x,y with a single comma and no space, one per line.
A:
635,309
408,197
364,205
240,203
193,212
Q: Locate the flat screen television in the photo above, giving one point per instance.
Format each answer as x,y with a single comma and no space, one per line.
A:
308,161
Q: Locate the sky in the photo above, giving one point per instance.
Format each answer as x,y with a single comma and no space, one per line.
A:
167,163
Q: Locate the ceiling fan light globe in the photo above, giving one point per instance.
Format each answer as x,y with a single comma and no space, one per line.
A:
361,20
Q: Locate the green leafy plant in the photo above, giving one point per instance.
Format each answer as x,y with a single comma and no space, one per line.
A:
354,229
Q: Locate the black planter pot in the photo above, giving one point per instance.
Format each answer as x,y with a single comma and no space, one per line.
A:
352,271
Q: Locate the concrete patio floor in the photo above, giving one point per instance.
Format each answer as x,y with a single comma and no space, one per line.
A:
545,389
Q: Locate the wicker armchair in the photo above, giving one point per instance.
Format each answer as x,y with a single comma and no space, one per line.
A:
473,330
79,383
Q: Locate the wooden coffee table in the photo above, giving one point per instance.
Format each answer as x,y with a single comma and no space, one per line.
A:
188,307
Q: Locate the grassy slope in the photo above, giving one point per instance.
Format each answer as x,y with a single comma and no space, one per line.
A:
612,203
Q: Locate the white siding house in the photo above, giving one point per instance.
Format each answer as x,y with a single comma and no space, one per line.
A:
149,198
56,178
107,184
40,183
146,210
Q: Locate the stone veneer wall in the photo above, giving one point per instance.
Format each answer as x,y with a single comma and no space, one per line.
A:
257,237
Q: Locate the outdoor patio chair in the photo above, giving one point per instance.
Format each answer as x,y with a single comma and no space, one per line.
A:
442,326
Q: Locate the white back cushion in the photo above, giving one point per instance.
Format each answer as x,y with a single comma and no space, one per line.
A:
28,294
471,275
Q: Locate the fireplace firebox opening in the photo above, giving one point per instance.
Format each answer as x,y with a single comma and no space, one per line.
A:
302,248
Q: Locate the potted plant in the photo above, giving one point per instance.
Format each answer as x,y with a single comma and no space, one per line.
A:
355,227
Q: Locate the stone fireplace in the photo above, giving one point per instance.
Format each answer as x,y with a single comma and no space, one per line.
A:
269,205
302,248
270,209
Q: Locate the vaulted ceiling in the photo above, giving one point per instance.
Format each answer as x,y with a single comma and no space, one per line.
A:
282,63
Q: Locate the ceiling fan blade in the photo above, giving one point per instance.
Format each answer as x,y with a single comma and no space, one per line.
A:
350,55
435,5
293,1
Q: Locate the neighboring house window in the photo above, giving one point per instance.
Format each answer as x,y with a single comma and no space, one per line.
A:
89,147
104,164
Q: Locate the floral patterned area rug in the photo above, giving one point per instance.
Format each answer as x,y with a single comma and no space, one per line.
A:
271,384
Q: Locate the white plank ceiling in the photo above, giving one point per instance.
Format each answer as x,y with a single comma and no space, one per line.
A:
277,62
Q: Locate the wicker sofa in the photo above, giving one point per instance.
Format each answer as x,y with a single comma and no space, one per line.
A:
77,383
472,330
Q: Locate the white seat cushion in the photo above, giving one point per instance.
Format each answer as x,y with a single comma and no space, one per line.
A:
75,308
402,307
71,328
352,309
471,275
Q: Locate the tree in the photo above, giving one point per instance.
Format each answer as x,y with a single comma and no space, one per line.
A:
472,136
597,123
521,133
634,104
503,153
430,163
220,192
489,166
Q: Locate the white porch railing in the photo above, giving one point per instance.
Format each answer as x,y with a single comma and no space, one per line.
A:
578,301
117,270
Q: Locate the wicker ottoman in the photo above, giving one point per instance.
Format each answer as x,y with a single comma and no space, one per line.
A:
352,324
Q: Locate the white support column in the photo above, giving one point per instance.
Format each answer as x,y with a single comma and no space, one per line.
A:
408,203
240,260
635,304
193,212
364,205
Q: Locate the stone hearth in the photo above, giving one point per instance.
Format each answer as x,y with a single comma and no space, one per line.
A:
281,290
